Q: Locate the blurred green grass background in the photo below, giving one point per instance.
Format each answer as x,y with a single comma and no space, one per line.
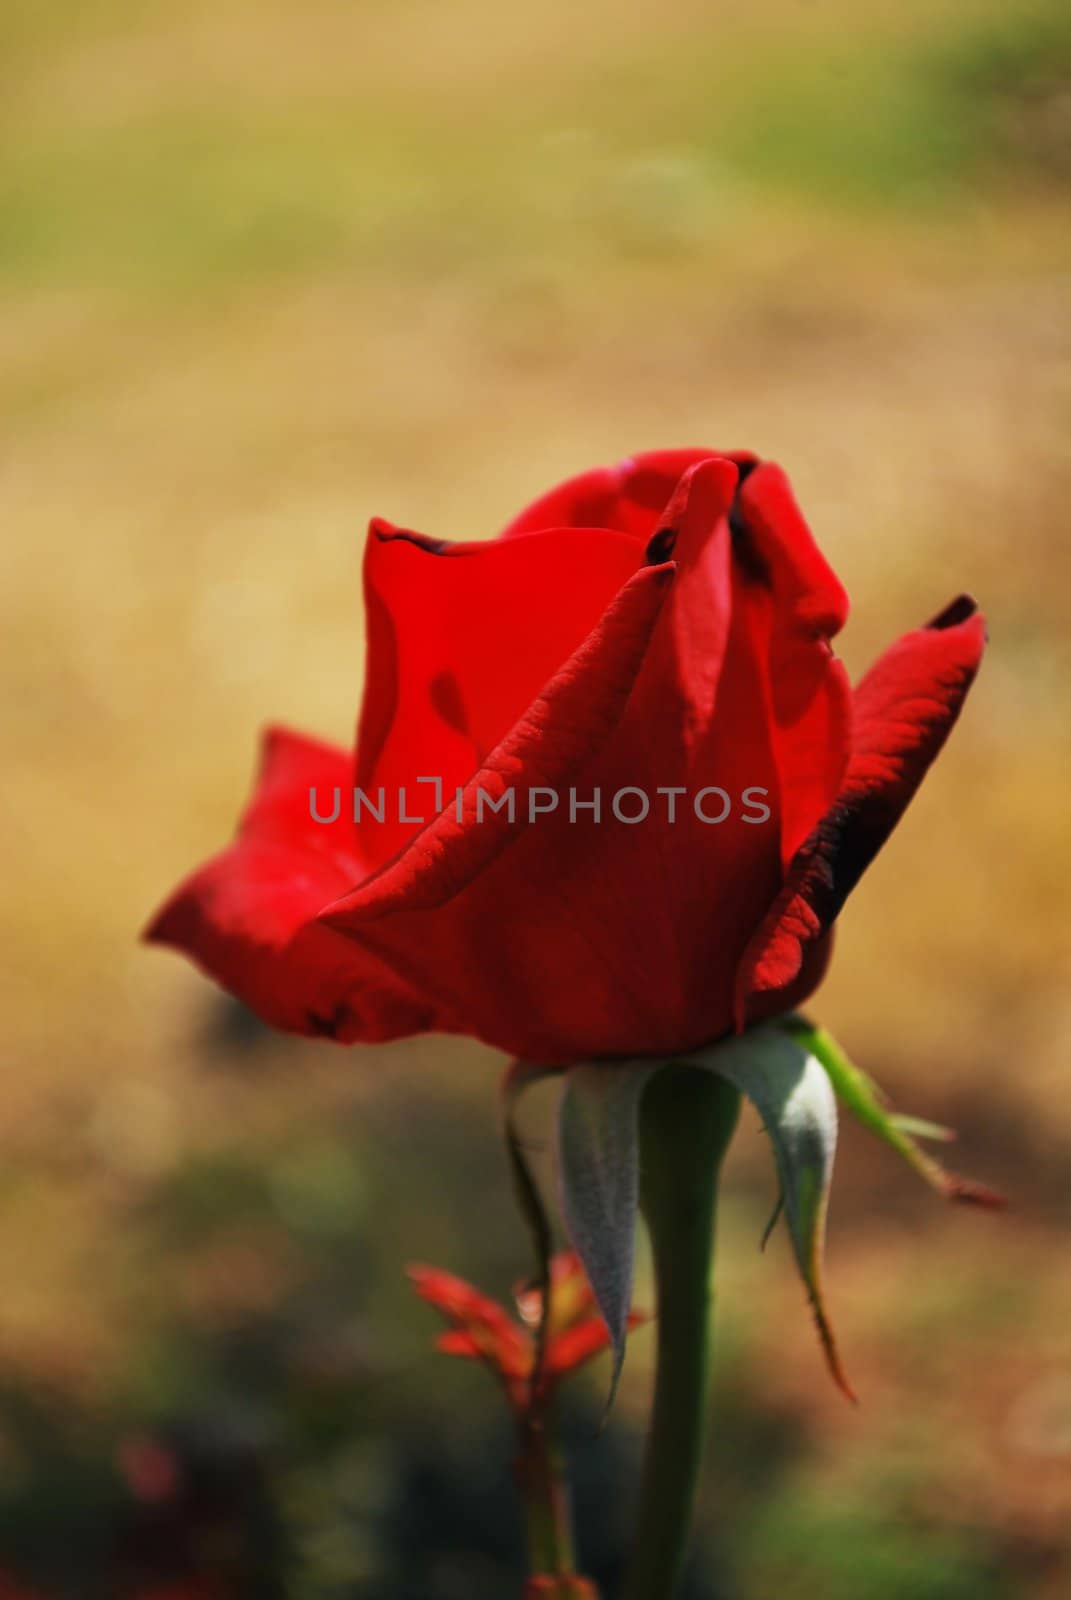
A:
268,269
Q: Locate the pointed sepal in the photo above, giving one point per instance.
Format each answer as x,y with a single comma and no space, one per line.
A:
599,1174
789,1088
867,1104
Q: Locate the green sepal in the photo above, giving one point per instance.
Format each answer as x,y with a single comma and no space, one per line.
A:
868,1105
599,1174
789,1087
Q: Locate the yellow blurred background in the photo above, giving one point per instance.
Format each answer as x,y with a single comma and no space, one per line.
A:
266,270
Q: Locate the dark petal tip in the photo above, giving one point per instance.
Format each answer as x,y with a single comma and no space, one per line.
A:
387,535
660,546
958,610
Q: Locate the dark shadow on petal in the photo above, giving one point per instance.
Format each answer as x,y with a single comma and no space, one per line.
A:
744,547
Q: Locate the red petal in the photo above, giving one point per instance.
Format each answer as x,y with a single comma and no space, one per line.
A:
293,768
904,709
247,917
461,638
628,496
810,698
507,924
684,669
740,690
455,1342
698,721
495,1337
559,730
571,1349
456,1298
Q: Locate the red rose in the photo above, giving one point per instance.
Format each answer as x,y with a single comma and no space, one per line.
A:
660,625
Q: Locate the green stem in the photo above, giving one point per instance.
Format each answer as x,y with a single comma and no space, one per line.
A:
687,1118
545,1497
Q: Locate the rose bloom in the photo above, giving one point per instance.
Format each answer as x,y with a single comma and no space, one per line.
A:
665,623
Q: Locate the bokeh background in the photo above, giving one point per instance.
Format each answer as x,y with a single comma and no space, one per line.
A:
266,269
